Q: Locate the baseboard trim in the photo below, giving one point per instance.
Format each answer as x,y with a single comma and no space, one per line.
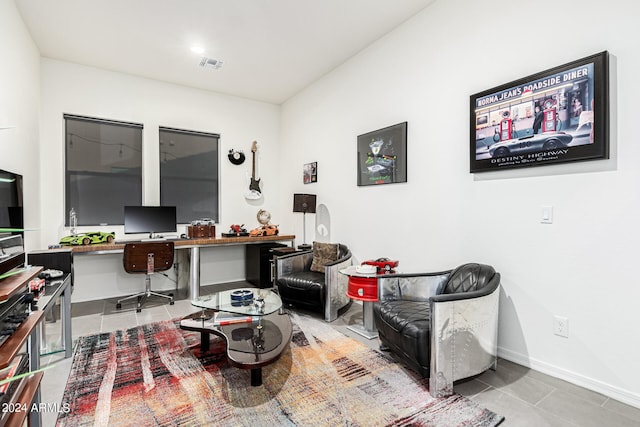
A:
624,396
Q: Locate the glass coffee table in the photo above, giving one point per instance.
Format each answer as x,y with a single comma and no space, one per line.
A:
256,337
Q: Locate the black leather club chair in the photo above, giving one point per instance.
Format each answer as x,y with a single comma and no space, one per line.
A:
443,325
324,292
147,258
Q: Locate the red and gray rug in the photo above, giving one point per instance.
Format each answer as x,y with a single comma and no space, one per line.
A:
155,375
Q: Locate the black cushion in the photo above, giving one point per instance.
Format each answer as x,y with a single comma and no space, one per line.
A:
468,278
404,326
305,288
343,251
304,280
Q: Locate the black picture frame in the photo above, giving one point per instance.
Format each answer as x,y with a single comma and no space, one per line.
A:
507,131
382,156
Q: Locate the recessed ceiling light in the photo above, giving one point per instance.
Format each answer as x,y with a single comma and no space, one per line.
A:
197,49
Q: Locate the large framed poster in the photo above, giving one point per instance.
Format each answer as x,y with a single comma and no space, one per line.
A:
382,156
554,116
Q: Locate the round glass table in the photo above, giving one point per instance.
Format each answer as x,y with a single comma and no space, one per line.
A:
253,342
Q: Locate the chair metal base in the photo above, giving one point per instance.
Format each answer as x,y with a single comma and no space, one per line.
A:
142,296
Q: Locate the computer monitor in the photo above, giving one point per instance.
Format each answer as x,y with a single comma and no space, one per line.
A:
149,219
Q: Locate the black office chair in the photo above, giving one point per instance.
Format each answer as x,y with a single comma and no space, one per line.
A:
147,258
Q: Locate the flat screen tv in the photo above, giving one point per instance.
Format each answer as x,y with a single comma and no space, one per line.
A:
149,220
11,215
554,116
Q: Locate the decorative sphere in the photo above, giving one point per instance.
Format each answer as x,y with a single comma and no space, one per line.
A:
263,217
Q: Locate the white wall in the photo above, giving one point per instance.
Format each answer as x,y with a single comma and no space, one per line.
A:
76,89
19,107
581,266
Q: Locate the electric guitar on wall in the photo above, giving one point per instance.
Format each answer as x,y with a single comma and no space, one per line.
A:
253,193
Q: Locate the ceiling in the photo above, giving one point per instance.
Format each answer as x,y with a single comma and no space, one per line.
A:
271,49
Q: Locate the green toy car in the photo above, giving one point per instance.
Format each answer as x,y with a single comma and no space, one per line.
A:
90,238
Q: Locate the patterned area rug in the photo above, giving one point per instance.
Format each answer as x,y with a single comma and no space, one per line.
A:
155,375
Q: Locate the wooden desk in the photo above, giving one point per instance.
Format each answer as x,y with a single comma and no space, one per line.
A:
118,245
193,245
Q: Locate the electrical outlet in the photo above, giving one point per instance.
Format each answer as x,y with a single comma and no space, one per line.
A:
561,326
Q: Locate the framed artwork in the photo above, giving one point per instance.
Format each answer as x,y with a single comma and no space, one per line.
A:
310,173
382,156
554,116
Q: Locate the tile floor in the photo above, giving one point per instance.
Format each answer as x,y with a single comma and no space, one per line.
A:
525,397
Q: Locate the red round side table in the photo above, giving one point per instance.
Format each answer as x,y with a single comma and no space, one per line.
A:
363,287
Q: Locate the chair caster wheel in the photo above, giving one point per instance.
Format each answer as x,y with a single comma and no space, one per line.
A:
138,310
118,306
171,302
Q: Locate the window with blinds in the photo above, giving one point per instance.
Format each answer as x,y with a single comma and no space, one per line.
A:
103,169
189,173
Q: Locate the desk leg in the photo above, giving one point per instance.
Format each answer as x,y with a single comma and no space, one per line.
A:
43,335
33,348
368,329
194,273
65,319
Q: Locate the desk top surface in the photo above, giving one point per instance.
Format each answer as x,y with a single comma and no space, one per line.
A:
187,243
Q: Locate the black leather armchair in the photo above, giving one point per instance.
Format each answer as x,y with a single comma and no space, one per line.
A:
443,325
324,292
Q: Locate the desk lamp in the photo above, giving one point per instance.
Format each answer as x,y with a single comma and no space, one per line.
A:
305,203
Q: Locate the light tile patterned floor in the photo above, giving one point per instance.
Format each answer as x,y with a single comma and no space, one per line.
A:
525,397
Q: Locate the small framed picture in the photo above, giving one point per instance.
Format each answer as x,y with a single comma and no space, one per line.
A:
310,173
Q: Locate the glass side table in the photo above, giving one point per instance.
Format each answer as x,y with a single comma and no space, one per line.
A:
363,287
270,302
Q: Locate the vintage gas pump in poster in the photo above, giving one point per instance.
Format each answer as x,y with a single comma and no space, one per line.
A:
550,116
506,127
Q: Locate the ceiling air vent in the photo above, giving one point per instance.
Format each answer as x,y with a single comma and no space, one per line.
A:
210,62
